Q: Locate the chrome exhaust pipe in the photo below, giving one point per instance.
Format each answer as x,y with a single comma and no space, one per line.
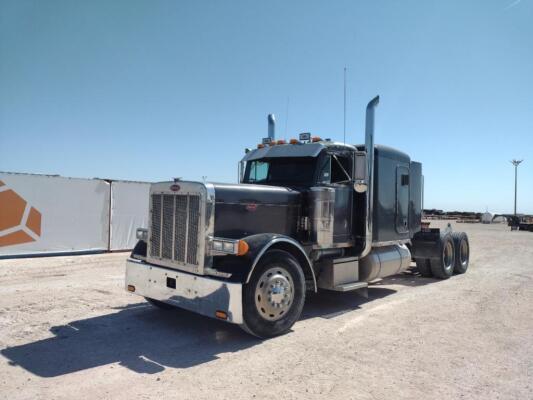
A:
271,127
369,147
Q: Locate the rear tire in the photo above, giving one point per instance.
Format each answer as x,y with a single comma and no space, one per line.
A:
159,304
443,266
424,267
462,252
274,297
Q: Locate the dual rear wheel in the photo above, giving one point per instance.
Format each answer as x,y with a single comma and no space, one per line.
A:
453,257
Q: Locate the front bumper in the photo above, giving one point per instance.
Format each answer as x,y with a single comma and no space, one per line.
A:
200,294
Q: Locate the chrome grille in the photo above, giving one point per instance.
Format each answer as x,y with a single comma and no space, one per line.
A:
174,228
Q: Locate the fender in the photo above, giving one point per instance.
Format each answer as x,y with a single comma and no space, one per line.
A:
259,244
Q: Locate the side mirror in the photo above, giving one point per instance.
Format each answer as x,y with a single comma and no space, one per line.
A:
360,184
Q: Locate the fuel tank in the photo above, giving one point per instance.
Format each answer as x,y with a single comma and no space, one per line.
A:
384,261
246,209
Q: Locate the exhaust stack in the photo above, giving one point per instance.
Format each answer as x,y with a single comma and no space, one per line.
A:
271,127
369,147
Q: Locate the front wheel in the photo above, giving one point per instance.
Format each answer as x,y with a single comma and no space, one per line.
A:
274,297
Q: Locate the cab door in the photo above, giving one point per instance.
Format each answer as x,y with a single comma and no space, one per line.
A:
336,172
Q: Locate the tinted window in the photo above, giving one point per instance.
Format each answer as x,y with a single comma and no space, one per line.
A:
281,171
340,167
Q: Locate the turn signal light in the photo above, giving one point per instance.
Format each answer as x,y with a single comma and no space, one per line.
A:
131,288
242,248
316,139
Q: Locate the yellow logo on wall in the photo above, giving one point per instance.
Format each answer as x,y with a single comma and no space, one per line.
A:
19,222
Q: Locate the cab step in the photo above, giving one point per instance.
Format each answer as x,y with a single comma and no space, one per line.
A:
346,287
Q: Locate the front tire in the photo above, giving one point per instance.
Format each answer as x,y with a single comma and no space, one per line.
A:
273,299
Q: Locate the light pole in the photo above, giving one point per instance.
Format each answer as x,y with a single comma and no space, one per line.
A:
516,163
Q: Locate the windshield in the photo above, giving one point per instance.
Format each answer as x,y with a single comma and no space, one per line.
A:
281,171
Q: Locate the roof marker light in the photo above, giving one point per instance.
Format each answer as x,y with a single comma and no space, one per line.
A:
316,139
294,141
281,141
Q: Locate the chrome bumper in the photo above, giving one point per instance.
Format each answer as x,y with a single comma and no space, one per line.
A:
200,294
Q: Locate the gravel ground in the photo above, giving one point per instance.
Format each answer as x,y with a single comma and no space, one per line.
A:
69,330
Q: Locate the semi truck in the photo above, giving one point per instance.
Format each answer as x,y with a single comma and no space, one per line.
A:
307,215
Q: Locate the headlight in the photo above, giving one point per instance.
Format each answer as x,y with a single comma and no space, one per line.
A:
142,234
229,246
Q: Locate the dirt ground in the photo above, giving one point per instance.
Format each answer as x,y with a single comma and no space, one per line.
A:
69,330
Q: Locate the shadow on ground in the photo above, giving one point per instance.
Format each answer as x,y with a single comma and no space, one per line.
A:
411,277
147,340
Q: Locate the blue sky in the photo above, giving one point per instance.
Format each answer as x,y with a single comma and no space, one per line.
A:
149,90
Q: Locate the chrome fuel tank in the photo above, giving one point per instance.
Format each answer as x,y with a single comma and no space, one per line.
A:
384,261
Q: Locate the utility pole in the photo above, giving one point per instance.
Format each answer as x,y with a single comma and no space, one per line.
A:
516,163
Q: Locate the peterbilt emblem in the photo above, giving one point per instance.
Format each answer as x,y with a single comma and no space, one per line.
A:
175,187
251,207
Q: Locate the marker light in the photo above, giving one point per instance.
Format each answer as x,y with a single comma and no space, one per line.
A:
294,141
316,139
221,314
242,248
260,146
281,141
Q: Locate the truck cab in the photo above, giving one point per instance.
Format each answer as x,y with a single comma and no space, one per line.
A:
307,215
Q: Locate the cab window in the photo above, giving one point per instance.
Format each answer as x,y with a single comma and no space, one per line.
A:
340,169
291,171
335,168
258,171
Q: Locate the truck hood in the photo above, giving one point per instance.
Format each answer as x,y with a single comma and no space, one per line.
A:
246,209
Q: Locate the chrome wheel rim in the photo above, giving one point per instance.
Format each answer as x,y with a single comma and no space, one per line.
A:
274,293
448,256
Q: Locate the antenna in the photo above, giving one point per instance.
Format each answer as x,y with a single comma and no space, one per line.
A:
287,115
344,132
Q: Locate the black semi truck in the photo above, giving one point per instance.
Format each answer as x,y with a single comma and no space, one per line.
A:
306,215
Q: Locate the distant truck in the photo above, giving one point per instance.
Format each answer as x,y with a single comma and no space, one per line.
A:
520,223
307,215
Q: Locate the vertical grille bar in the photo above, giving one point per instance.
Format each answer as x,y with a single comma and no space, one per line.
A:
155,245
168,223
192,234
180,226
